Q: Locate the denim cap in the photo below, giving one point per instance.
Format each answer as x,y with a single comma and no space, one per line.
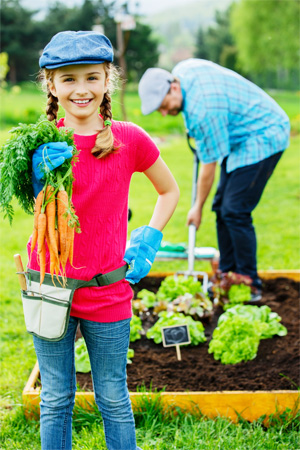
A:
153,87
76,47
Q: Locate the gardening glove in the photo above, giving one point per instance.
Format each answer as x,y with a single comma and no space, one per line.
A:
144,243
48,157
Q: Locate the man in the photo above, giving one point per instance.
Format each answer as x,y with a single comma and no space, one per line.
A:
235,123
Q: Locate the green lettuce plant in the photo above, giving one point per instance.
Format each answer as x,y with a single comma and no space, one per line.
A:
167,319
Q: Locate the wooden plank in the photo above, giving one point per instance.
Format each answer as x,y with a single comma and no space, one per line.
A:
264,274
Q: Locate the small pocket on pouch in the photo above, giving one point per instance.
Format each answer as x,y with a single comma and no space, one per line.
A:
32,307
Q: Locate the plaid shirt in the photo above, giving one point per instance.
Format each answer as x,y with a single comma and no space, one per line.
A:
228,115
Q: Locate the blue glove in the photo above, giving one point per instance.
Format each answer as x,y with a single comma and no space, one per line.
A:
48,157
144,243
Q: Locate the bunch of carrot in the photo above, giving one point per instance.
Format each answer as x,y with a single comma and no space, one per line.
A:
54,223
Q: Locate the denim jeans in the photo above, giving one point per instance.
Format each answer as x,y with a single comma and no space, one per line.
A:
237,195
107,345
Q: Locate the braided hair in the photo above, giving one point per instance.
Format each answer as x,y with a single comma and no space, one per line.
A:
52,106
104,144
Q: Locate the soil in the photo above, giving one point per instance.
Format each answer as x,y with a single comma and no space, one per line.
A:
276,366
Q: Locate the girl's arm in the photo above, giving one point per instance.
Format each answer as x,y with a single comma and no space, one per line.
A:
167,188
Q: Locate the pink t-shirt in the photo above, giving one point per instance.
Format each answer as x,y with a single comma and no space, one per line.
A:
100,197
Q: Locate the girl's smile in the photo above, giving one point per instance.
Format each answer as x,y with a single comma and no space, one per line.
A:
82,103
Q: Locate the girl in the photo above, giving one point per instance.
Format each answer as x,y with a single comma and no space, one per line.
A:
77,70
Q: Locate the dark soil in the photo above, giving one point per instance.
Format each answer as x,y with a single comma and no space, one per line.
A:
276,366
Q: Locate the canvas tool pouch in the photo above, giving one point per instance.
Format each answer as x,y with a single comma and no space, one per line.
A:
47,307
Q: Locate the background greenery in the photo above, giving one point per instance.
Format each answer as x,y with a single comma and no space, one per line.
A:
259,39
277,220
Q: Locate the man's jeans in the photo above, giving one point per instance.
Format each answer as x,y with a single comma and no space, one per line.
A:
107,345
237,195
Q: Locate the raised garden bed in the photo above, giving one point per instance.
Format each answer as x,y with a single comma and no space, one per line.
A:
262,386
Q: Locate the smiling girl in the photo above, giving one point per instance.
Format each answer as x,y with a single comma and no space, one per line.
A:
78,73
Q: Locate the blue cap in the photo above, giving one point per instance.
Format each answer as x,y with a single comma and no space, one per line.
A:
153,87
76,47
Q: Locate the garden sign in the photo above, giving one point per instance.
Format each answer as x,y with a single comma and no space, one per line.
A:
176,335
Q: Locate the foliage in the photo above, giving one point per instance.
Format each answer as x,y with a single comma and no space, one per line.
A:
239,331
213,44
262,314
16,162
236,340
223,282
82,360
238,293
23,37
19,39
4,67
171,287
167,319
197,306
259,48
135,328
147,297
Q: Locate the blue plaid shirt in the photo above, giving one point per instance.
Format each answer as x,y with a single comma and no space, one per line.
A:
228,115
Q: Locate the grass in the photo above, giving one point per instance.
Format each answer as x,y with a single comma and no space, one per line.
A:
277,220
163,430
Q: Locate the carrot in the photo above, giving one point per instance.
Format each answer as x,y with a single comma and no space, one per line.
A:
62,223
42,257
53,260
37,210
66,248
57,240
50,213
71,252
42,222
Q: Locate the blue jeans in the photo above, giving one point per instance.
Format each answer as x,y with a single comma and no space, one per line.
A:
237,195
107,345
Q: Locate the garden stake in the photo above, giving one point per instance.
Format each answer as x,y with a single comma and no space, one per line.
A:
192,230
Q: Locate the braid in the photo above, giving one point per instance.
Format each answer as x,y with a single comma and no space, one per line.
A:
52,107
104,144
105,108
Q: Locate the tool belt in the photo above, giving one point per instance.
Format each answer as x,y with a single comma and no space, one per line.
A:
47,307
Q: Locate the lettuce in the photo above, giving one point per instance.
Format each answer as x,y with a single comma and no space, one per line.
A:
237,294
236,340
167,319
172,288
82,360
135,328
240,330
263,314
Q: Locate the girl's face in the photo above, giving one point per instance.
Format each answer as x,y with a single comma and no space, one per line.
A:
80,90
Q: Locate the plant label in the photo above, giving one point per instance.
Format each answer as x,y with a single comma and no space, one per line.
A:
174,336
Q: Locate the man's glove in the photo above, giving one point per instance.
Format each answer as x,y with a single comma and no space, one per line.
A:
46,158
144,243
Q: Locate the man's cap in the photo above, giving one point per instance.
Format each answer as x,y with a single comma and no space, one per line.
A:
76,47
153,87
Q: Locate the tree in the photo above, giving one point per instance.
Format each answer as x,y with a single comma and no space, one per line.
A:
217,40
142,51
19,39
266,34
23,38
201,47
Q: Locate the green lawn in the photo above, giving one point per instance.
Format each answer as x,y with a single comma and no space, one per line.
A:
277,220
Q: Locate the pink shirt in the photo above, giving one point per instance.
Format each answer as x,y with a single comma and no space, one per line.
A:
100,197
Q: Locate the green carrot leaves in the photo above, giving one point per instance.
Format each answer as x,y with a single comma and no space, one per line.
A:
16,162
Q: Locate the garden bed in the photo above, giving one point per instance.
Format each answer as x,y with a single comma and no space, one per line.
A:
256,387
